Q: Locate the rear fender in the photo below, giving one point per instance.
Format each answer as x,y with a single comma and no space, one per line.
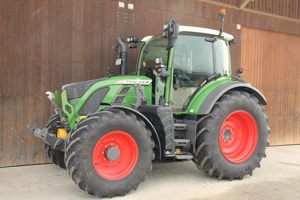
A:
217,92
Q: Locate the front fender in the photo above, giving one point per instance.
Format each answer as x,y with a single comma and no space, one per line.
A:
217,92
148,124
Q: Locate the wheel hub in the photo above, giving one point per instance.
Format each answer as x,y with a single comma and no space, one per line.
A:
115,155
112,153
227,135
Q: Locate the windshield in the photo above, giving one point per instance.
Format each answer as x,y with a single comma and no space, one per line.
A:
155,48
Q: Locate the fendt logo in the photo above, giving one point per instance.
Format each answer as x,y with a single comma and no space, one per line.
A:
140,82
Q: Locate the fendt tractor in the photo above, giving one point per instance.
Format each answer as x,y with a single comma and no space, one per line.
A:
183,103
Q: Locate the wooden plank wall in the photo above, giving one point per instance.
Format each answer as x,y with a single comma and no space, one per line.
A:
44,45
48,43
286,8
275,70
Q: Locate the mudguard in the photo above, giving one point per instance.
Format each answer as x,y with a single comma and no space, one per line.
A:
216,93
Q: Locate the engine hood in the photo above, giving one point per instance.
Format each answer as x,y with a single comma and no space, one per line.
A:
76,90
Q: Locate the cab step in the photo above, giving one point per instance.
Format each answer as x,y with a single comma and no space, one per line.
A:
182,146
180,127
181,142
184,157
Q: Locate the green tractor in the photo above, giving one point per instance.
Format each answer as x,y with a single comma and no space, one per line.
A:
183,103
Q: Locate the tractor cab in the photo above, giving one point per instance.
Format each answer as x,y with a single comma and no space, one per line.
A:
195,58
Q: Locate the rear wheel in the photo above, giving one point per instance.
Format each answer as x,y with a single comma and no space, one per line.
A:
109,153
56,156
232,139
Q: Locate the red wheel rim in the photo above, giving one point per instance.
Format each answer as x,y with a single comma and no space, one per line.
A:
238,137
115,155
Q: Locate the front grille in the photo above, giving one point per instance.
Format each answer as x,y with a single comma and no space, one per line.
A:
77,90
93,103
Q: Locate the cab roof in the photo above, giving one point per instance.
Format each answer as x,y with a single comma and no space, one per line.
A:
193,29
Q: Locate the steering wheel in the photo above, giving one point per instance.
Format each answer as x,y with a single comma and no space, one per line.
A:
180,78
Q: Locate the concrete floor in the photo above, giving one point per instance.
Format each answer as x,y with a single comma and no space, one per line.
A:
278,178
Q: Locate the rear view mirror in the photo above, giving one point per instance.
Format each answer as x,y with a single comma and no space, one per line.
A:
171,29
233,41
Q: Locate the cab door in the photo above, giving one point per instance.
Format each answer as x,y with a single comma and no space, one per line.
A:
192,63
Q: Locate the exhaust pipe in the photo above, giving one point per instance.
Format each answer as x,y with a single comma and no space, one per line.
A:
123,57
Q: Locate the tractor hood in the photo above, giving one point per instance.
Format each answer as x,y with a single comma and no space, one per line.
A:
79,99
76,90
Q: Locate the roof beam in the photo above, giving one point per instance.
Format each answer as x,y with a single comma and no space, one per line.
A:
244,4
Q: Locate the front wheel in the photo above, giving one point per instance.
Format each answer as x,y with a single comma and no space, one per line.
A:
109,153
232,139
56,156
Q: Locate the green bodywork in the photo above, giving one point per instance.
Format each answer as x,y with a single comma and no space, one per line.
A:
164,86
194,104
115,85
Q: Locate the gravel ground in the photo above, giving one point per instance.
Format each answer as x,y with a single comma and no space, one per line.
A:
278,178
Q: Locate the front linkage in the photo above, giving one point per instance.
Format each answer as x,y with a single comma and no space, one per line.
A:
55,140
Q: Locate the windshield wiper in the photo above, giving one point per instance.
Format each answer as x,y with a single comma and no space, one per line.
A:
211,77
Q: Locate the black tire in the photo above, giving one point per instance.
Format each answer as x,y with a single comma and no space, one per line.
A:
91,170
56,156
219,152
